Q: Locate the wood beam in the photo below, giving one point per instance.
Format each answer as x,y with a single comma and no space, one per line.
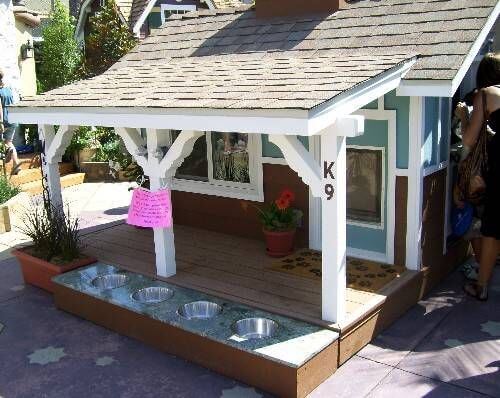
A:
180,149
58,143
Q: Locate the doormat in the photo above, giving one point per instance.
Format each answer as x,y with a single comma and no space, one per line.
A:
364,275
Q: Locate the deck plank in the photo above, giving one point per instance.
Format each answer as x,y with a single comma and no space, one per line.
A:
227,266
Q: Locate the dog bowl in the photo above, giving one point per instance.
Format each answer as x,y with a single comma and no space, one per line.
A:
255,328
153,294
200,310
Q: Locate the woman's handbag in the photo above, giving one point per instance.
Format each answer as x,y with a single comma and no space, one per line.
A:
472,170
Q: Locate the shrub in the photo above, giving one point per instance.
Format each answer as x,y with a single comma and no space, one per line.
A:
7,190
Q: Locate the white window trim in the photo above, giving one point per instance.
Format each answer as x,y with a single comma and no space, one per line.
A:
175,7
365,224
253,191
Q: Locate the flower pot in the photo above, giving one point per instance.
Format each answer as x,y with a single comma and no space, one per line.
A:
38,272
279,243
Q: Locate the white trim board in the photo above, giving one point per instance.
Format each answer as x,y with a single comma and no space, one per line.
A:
415,184
270,160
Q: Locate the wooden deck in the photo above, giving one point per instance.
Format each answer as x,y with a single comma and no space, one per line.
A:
236,269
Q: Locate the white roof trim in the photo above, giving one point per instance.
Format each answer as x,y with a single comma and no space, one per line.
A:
266,121
137,27
446,88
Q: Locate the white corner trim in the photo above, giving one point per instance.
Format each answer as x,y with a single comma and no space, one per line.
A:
415,182
137,27
435,168
314,202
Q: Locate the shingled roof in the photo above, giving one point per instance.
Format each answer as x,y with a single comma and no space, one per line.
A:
231,59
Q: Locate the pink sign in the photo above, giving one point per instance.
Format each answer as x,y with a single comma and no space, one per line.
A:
150,209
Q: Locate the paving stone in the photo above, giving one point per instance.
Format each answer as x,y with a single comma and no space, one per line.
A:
402,384
343,384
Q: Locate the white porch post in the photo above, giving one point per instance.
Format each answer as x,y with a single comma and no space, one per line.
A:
163,237
333,226
50,166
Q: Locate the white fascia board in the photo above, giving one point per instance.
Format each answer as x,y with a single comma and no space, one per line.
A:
425,88
293,122
346,103
447,88
137,27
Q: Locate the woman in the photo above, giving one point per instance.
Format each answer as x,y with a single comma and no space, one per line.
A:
488,84
8,129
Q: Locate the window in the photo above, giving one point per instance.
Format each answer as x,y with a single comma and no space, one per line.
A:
365,185
169,9
223,164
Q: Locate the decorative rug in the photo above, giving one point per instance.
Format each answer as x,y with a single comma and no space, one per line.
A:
363,275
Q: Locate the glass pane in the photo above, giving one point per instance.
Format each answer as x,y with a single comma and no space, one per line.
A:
195,166
230,157
364,185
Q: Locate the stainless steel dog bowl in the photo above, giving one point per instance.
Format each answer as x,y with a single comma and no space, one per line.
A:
255,328
109,281
200,310
153,294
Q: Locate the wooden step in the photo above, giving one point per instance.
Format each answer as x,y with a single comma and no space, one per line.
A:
35,174
68,180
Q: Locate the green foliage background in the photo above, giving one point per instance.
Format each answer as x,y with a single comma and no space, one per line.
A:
109,39
61,56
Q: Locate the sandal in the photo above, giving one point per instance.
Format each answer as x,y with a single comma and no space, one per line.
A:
16,169
473,289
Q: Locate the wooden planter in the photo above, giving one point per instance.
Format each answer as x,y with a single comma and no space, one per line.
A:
38,272
11,212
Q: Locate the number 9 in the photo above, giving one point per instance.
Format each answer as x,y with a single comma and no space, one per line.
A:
329,190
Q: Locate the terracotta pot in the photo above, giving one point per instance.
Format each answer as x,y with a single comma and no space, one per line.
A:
279,244
38,272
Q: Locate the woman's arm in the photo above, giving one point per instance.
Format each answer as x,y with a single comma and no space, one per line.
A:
471,128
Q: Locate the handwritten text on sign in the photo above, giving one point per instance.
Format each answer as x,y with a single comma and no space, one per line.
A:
150,209
328,174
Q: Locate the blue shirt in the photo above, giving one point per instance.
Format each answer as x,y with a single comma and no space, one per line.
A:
7,99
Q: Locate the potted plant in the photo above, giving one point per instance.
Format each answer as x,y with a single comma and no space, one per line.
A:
56,247
279,223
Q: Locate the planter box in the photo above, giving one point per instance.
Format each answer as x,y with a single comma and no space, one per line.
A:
12,211
96,171
38,272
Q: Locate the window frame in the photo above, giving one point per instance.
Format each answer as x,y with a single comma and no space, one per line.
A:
252,191
175,7
367,224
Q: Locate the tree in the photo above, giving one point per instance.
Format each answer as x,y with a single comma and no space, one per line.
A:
61,56
109,39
